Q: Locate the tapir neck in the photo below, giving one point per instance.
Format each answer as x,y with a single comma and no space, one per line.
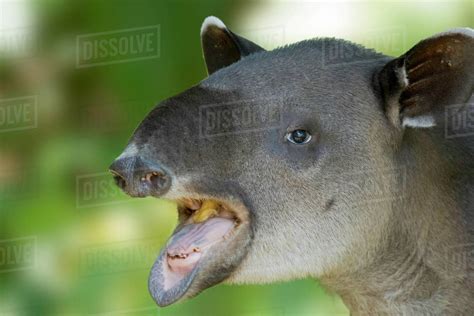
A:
423,265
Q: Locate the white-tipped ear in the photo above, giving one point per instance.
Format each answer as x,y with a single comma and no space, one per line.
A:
221,47
422,121
459,30
436,73
212,21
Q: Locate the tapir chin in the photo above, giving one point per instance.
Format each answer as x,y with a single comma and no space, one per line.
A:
319,159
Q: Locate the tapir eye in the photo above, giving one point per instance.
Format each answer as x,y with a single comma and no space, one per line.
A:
298,136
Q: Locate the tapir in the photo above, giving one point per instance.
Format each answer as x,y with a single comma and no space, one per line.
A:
321,159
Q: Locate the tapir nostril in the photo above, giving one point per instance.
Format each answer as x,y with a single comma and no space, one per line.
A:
151,176
155,179
121,173
139,177
119,180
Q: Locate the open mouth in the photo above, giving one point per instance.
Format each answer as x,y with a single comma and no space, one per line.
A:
206,246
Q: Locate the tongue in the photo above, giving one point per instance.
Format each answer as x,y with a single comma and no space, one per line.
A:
177,264
186,247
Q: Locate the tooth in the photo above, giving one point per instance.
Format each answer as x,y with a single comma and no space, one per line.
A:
207,210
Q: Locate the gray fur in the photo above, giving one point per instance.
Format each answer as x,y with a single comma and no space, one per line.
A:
377,212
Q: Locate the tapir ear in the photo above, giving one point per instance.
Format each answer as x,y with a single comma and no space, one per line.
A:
437,72
221,47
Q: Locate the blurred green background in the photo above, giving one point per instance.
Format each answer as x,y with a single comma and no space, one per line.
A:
70,242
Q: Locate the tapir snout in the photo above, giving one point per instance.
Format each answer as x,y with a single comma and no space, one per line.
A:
139,177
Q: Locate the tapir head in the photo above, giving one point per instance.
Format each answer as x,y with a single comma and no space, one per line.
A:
261,156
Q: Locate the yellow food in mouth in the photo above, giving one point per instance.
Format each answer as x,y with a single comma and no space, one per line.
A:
197,211
207,210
